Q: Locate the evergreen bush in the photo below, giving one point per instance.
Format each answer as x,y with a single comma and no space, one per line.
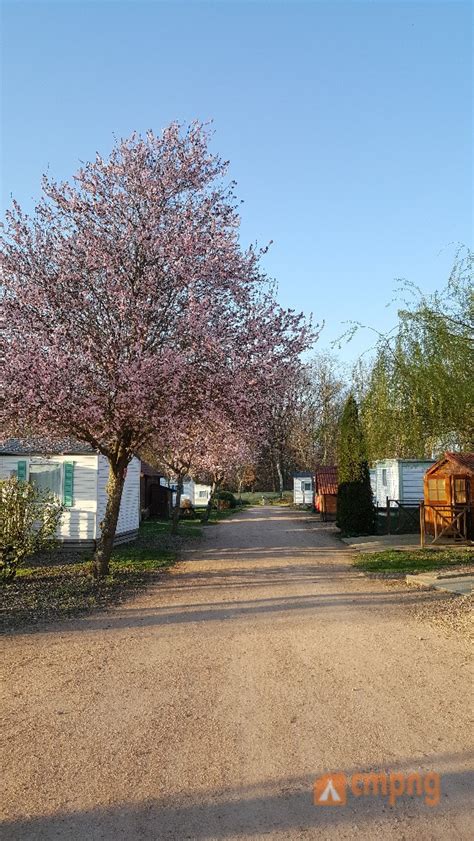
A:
355,507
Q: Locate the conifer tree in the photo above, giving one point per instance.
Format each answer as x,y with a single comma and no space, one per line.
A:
355,507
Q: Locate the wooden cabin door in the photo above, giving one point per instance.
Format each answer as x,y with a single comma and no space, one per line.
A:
461,496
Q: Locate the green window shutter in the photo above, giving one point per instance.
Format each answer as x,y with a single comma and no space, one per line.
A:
21,471
68,487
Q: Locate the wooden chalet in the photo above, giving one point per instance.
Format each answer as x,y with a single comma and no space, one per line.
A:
325,492
448,509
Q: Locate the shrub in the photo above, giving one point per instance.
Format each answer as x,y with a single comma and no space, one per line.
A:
186,510
28,523
224,500
355,507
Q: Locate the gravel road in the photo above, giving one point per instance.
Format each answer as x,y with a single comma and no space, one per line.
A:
206,707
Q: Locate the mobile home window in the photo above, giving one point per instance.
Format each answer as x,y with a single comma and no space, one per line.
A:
202,494
306,486
436,490
46,477
384,476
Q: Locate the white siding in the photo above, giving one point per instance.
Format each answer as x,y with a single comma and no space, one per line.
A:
192,491
198,491
373,482
412,476
386,470
298,497
8,465
129,514
78,523
129,507
188,491
404,480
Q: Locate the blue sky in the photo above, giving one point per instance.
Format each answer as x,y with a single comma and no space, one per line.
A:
348,125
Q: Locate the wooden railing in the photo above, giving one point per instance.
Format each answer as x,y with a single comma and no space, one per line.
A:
447,521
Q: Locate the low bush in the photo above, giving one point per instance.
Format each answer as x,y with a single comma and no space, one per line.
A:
187,512
223,500
29,518
270,497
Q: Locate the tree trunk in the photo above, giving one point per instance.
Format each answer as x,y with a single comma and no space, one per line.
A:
207,512
280,477
176,510
100,561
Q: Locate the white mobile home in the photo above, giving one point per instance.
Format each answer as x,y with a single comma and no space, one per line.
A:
400,479
78,476
197,494
303,488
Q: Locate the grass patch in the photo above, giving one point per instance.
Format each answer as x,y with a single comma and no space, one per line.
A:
419,560
271,497
57,590
199,519
158,531
224,514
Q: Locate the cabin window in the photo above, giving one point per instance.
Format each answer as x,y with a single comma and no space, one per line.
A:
46,477
460,491
384,477
437,490
305,486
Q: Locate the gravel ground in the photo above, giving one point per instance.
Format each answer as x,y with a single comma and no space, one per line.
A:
206,707
450,613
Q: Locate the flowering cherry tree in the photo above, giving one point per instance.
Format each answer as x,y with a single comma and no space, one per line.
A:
125,285
231,418
175,454
224,451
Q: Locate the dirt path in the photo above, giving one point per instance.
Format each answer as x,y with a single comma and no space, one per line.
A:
206,708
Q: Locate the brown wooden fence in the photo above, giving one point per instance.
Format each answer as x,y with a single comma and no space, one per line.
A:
438,522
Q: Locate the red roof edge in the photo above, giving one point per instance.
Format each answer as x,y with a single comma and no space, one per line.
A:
464,459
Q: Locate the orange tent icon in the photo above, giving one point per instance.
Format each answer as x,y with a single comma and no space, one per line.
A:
330,790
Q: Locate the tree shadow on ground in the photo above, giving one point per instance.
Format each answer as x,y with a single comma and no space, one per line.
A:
280,808
332,606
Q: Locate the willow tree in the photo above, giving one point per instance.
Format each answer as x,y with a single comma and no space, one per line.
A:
327,392
419,399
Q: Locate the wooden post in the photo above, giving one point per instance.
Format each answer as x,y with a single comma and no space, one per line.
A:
388,516
422,524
